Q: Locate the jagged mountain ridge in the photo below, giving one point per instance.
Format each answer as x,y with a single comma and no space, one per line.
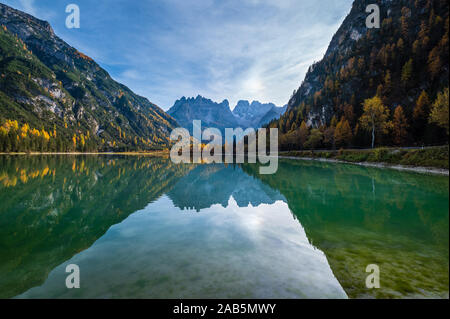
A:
46,82
256,114
219,115
212,114
207,185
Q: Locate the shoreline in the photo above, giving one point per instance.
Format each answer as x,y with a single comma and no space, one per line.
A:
416,169
88,153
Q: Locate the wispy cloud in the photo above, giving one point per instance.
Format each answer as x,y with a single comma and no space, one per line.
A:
28,6
234,49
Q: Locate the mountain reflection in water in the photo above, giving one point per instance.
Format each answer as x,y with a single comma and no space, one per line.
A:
142,227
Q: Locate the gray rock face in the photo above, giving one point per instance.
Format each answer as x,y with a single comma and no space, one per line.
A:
219,115
349,33
273,114
73,87
345,45
212,114
207,185
256,114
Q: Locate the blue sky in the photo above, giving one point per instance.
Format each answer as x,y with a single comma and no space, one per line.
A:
166,49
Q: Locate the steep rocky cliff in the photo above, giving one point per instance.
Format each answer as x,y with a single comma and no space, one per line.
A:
50,85
219,115
403,59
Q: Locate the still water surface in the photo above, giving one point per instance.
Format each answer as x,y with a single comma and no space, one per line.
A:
142,227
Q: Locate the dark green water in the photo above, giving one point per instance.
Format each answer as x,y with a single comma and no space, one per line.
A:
142,227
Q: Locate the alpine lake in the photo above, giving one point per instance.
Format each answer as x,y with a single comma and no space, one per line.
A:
144,227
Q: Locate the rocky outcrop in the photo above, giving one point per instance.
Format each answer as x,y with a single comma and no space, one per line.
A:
69,89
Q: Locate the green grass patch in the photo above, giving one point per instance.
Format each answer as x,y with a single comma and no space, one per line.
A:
436,157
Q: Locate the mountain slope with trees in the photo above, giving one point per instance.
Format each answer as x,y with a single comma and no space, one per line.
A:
386,86
55,98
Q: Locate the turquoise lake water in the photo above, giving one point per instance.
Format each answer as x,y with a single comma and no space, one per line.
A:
143,227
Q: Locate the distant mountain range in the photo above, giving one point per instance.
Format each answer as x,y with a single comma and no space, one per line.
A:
219,115
49,85
206,185
257,114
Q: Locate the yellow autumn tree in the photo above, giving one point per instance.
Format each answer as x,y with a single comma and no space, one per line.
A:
3,130
24,130
14,125
35,132
439,111
422,106
82,141
375,117
74,141
343,133
45,135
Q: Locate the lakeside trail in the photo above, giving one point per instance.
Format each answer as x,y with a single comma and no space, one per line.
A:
417,169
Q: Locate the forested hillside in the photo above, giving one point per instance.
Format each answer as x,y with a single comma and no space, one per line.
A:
55,98
386,86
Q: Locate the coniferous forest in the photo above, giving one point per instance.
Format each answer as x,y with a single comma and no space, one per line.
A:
384,86
376,87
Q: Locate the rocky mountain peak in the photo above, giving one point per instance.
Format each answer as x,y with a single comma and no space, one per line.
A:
70,90
15,19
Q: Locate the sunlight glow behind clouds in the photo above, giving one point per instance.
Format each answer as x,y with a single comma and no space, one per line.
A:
252,49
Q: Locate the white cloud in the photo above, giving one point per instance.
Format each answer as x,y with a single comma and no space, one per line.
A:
255,57
28,6
235,49
132,74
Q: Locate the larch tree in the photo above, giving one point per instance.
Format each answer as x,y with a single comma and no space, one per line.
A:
439,111
303,133
343,133
434,62
349,113
422,106
400,126
407,73
421,113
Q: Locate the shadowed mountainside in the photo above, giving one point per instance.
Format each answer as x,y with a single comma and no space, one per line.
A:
65,204
47,83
